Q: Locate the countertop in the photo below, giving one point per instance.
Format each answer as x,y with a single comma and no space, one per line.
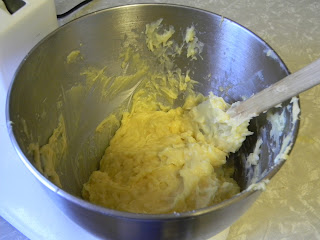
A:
290,207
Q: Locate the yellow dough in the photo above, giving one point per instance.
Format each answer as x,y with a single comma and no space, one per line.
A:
168,161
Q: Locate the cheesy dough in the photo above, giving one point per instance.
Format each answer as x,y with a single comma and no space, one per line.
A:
168,161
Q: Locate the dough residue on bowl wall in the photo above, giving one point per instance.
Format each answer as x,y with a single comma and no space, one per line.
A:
163,158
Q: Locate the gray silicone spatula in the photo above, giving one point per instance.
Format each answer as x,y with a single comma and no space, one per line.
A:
282,90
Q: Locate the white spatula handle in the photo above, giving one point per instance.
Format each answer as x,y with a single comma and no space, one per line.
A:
286,88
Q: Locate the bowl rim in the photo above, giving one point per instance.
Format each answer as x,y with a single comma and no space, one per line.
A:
128,215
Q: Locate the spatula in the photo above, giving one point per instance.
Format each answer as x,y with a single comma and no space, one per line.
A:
284,89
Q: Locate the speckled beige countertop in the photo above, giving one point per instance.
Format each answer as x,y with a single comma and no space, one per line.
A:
290,207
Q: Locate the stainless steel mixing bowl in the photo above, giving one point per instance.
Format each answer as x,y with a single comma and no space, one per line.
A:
234,59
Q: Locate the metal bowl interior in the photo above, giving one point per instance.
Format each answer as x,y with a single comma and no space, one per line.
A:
233,59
